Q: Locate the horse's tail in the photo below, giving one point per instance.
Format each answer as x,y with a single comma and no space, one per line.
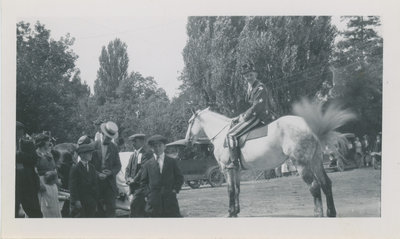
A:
323,123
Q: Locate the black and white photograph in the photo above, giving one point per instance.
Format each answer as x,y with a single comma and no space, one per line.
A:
192,118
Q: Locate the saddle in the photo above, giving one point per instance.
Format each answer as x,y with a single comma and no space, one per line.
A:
259,131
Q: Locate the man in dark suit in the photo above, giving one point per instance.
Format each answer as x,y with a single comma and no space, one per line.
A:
83,183
107,163
163,179
133,173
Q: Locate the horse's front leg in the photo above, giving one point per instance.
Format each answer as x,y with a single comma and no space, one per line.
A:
230,179
237,191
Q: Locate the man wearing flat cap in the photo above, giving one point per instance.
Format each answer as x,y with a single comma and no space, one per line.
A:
107,163
260,111
83,183
163,179
133,172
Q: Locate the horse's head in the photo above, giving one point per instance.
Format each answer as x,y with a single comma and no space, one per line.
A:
205,124
195,126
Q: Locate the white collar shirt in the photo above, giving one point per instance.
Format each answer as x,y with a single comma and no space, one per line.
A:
138,155
160,160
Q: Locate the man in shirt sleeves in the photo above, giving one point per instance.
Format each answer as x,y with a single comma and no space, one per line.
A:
163,179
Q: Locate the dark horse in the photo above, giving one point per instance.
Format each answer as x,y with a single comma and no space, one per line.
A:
300,138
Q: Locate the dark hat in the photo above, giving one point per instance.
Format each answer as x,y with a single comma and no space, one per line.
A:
20,125
84,140
98,122
85,148
157,138
137,136
110,129
41,138
247,67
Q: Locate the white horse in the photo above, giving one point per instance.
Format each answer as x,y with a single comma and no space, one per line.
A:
301,138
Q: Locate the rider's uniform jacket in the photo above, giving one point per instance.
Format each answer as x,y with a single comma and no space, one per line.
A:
261,102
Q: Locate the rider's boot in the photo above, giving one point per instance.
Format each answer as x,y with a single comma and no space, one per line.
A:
234,153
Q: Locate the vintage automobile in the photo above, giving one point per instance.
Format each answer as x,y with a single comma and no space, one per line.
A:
343,159
196,161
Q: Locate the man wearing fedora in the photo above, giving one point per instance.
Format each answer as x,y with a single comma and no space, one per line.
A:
133,172
107,163
163,180
83,183
260,111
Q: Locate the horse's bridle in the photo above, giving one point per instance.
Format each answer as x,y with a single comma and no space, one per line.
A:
191,122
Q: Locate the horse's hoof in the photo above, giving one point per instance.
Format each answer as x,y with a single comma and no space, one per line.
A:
330,213
318,213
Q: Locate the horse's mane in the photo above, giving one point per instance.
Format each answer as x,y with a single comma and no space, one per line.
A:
217,115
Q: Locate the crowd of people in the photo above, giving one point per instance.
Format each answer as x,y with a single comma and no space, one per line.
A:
154,179
363,147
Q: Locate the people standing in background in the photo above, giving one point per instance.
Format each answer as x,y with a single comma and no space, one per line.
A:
107,164
19,168
378,144
163,179
27,180
133,173
358,146
98,134
46,167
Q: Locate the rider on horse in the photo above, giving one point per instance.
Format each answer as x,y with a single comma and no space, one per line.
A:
259,113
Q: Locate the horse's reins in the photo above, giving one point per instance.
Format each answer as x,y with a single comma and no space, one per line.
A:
212,139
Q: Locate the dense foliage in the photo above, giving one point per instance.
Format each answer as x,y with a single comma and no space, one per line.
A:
49,87
294,57
358,63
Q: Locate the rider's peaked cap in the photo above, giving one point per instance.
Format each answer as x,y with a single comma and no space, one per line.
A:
247,67
137,136
157,138
85,148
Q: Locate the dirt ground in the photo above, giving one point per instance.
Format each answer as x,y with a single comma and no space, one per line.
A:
357,193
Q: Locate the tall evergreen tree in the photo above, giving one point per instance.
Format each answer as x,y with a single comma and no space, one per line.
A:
291,55
113,70
358,65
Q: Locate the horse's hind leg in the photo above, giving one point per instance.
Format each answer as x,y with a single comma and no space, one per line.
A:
324,181
326,185
315,188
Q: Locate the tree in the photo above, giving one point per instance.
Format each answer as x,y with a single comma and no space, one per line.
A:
113,70
291,56
358,72
48,84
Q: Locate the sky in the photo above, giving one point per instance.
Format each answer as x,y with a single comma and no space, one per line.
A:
154,44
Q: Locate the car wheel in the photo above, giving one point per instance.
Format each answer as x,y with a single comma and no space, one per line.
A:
215,177
194,184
